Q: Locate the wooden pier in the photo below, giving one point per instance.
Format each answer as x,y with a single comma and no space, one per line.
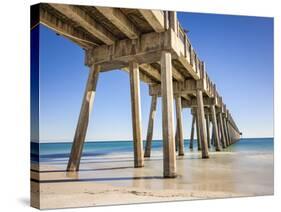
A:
152,47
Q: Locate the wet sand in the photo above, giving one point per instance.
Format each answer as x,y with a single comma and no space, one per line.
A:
114,180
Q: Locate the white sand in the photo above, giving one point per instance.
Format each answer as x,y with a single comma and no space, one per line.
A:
115,181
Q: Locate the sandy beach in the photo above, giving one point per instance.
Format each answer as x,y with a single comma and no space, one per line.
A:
113,180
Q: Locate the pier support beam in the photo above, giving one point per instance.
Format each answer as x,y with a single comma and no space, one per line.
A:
222,130
208,130
213,136
198,132
192,133
202,123
176,139
179,126
215,128
219,131
84,116
136,114
229,133
169,154
150,126
226,131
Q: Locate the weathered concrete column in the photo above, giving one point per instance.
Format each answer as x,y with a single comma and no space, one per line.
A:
229,132
198,132
192,132
169,154
215,128
219,130
230,136
177,139
84,116
226,132
179,126
150,126
213,136
136,113
202,123
222,130
208,130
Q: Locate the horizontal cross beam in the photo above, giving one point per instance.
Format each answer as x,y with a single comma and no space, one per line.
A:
146,48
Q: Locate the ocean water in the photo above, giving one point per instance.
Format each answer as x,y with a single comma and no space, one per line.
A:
60,151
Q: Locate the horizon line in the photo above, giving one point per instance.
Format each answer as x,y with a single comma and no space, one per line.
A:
100,140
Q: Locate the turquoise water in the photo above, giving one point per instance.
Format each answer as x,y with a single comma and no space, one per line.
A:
46,152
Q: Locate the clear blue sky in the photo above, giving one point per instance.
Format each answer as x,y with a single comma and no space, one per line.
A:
237,50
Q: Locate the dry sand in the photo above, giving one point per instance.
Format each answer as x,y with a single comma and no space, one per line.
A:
115,181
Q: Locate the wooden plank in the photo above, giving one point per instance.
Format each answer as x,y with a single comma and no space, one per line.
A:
168,116
202,124
150,126
82,125
136,114
155,18
84,20
179,125
120,21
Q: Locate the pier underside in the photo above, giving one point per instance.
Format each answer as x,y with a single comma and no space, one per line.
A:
152,47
